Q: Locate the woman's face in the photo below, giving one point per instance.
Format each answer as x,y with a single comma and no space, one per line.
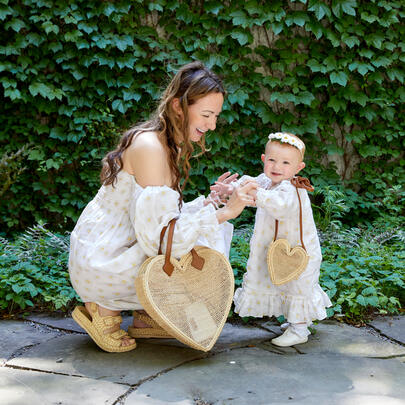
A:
203,114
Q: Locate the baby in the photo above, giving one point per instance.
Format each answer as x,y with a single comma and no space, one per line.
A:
302,300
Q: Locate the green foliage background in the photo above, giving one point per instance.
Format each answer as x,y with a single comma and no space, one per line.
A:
74,72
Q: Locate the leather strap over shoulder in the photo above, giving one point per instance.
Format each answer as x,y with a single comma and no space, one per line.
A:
297,182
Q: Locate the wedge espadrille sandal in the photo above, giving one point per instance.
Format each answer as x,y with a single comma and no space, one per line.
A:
98,328
155,331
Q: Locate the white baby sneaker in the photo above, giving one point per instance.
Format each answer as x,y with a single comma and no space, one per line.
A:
289,338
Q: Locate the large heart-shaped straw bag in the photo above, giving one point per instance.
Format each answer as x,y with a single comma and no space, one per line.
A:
190,298
285,264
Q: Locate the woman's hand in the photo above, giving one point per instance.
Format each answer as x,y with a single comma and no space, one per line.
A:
222,186
240,198
221,190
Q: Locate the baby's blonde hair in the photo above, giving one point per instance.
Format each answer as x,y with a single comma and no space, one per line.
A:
302,151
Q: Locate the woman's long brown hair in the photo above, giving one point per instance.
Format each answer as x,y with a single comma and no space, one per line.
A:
192,82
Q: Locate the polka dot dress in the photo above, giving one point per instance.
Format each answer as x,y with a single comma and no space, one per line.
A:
300,300
121,227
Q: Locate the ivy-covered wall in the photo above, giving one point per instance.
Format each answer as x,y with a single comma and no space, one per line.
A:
74,72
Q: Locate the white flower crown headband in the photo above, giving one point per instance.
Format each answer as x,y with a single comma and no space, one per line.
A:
287,138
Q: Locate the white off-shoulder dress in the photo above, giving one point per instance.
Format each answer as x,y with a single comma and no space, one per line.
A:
121,227
301,300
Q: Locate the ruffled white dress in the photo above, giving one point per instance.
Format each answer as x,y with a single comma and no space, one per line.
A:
301,300
121,227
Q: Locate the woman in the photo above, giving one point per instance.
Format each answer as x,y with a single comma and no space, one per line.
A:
141,193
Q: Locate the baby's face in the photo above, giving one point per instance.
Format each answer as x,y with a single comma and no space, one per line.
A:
281,162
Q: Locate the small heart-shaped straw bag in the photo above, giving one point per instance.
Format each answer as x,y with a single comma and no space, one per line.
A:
190,298
286,264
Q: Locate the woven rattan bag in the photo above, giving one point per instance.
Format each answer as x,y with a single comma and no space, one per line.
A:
190,298
285,264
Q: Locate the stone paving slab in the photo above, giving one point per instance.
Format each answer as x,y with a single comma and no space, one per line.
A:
18,387
340,365
340,338
15,335
251,375
78,355
231,336
391,326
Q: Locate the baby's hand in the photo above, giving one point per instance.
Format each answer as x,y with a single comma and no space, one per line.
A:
252,192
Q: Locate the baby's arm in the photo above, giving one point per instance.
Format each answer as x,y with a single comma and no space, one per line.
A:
280,203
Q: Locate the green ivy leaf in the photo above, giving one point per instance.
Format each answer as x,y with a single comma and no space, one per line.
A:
395,74
119,105
123,42
361,67
381,61
356,96
350,41
314,65
339,78
87,27
5,11
316,29
239,18
6,82
41,89
13,94
242,37
48,26
238,97
376,40
277,27
348,6
305,98
282,97
336,104
368,17
155,6
367,53
16,24
131,95
213,7
51,163
57,133
320,9
72,36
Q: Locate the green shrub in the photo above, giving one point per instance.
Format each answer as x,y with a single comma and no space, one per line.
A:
362,271
239,252
33,272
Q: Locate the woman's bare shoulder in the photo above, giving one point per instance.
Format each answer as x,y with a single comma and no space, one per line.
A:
146,159
147,140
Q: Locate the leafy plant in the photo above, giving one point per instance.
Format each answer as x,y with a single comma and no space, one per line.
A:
363,274
33,272
240,252
331,209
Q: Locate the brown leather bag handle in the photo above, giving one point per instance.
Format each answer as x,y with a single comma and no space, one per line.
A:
276,225
197,261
